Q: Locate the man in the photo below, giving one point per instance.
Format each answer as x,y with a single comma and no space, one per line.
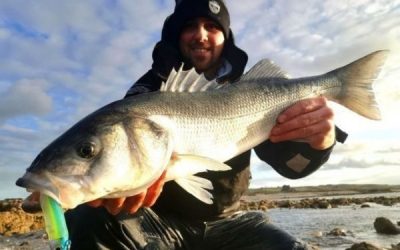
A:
198,34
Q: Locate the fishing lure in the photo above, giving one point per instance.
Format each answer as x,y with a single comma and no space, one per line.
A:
54,219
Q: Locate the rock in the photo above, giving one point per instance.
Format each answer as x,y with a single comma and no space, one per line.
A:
9,204
286,204
337,232
313,247
387,203
13,220
263,205
364,246
317,234
324,204
383,225
340,202
27,241
395,247
318,203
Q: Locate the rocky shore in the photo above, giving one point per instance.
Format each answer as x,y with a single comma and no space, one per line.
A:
316,203
13,220
21,230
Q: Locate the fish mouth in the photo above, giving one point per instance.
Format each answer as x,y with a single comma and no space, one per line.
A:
39,183
66,190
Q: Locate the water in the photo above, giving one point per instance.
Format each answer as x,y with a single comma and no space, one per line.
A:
312,225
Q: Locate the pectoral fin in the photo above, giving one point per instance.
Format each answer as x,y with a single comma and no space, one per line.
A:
197,186
182,168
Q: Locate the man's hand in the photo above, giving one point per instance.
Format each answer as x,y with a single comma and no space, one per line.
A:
309,120
133,203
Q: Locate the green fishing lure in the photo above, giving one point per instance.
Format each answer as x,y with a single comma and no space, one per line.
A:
54,219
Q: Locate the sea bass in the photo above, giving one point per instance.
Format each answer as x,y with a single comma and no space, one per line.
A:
191,125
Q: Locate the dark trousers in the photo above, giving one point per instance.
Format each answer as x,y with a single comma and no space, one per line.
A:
94,228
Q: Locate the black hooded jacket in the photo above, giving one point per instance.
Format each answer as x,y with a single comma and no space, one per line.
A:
229,186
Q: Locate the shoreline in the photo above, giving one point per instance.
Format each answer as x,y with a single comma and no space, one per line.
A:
314,194
21,230
315,200
14,221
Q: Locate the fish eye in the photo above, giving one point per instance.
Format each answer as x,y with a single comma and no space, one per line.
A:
86,150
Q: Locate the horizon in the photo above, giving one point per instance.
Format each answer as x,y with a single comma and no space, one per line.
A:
62,61
341,184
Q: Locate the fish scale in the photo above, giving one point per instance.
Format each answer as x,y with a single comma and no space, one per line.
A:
239,121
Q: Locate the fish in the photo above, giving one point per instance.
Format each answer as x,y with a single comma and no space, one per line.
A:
191,125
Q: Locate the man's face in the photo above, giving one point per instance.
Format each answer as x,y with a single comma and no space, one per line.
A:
201,42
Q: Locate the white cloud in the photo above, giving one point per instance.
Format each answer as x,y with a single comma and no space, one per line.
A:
326,32
25,97
4,34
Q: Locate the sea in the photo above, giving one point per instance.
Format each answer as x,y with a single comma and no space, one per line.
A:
313,225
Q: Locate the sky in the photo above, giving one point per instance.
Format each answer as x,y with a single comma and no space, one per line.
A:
61,60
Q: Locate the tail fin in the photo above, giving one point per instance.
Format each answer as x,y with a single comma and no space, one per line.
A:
357,78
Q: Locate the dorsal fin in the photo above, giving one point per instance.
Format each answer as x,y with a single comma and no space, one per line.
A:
187,81
265,69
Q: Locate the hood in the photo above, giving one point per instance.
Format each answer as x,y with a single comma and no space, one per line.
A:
166,52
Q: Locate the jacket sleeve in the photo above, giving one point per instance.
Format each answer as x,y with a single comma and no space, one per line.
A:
295,159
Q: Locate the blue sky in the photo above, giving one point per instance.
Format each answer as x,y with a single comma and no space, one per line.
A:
61,60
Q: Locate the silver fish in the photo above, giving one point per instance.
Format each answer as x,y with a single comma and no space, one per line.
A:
191,125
